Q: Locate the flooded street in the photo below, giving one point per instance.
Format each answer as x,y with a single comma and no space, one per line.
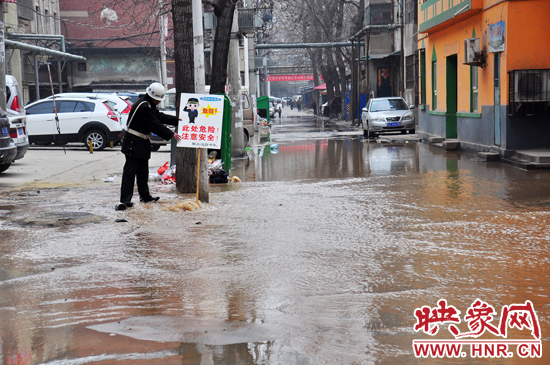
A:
319,256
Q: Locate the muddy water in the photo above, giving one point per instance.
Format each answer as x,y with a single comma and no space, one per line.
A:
319,256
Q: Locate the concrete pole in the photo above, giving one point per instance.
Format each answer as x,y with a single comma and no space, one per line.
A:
234,78
2,60
198,57
198,43
163,73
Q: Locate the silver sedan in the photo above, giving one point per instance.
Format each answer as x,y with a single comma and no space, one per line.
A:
386,115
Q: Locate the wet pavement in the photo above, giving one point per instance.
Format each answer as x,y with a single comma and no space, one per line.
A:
319,256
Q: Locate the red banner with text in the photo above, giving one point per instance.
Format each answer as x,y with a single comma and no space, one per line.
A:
272,78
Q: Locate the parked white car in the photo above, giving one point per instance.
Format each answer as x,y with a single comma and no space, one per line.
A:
14,98
118,103
80,120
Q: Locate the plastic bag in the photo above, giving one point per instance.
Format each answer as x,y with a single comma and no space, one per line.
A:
163,168
169,176
214,166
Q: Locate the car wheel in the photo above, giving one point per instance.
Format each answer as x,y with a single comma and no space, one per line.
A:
98,139
366,133
155,147
412,131
403,131
4,167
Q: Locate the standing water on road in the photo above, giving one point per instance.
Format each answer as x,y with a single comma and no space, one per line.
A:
320,256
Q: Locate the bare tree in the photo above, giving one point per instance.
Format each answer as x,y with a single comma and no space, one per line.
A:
323,21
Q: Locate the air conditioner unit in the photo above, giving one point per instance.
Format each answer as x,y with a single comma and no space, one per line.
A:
473,55
532,86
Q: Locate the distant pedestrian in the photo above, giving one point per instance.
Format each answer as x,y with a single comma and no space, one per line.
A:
143,119
279,108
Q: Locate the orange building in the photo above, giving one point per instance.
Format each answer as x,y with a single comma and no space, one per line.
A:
485,73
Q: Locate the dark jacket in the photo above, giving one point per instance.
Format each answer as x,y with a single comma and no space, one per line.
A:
147,119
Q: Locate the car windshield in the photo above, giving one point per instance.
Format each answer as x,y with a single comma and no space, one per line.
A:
385,105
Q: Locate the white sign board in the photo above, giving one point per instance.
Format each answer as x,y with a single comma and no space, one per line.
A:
201,119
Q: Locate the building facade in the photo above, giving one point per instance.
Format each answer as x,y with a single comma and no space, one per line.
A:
390,53
121,45
484,73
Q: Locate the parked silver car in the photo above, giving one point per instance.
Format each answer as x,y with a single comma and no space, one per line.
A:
386,115
8,151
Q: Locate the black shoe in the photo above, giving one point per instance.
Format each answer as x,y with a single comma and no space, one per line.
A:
120,206
128,204
149,199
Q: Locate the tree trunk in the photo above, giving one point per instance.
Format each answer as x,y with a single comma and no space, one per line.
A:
187,158
224,11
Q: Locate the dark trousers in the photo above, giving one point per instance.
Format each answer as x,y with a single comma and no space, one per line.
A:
134,169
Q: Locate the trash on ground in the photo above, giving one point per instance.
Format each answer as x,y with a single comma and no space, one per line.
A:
184,205
220,176
234,179
109,179
167,174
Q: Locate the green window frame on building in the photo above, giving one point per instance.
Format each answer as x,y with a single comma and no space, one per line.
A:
474,89
434,85
423,77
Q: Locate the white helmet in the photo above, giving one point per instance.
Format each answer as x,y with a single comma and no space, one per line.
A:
156,91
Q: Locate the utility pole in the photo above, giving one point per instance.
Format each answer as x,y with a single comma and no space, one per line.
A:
2,60
198,53
162,31
234,78
402,78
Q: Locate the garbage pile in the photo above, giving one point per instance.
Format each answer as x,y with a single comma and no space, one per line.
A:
216,174
167,174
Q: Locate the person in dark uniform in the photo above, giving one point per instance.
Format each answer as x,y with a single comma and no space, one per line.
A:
143,119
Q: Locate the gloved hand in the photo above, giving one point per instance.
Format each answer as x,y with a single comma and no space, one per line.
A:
177,137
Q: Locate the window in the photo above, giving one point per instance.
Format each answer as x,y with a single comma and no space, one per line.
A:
47,19
378,14
411,71
38,20
66,106
474,90
245,103
83,107
41,108
423,77
24,9
434,85
411,14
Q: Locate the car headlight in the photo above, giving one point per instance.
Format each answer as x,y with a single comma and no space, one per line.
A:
408,117
378,119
